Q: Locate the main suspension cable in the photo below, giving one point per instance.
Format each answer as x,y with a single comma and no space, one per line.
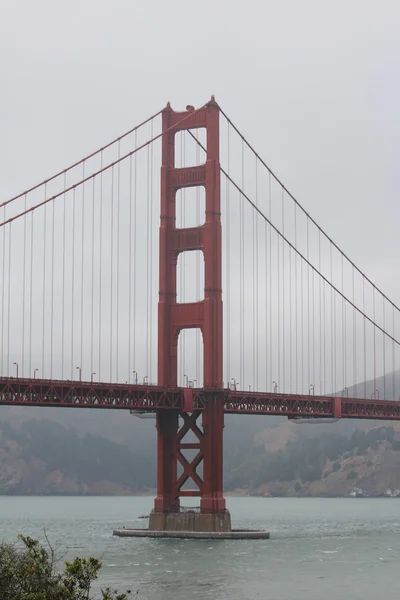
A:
103,169
82,160
304,211
325,279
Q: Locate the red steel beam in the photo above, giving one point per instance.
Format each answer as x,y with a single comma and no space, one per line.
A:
47,392
148,398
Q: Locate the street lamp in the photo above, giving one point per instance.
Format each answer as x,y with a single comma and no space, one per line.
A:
34,373
80,373
91,377
16,364
187,381
234,383
275,387
135,377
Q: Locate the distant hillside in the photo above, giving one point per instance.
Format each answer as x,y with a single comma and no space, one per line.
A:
330,465
78,451
41,456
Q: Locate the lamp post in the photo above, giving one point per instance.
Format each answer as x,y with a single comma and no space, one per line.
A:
34,373
91,377
135,377
16,364
80,373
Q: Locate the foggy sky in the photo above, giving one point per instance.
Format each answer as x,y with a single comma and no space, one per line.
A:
313,86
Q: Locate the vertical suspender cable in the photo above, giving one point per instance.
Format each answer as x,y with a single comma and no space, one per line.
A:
320,316
9,299
290,390
333,326
313,327
117,270
112,269
63,283
254,287
270,276
82,266
373,312
302,323
344,332
92,286
130,370
324,317
134,253
23,293
384,348
283,296
365,348
296,306
354,333
278,289
73,283
147,256
308,307
100,266
393,357
241,199
44,280
151,251
30,300
53,206
268,377
2,292
256,384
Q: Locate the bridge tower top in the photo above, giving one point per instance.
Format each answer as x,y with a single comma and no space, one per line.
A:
173,317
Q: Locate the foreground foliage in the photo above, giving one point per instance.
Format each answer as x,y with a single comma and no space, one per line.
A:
29,573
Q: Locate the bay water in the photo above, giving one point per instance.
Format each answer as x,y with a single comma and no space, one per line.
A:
319,548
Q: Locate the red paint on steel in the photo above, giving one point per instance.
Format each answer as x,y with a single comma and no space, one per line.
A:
151,398
173,317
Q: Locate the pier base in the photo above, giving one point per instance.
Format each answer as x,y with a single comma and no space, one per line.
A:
235,534
190,521
192,524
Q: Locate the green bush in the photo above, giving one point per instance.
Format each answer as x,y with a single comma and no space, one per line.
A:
29,573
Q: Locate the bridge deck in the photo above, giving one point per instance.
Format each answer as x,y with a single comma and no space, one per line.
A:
149,398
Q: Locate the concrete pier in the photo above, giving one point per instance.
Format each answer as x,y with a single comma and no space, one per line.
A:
190,520
192,524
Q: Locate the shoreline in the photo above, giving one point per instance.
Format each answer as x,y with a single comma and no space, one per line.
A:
227,495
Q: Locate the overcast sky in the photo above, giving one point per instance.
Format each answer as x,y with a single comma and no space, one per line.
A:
313,85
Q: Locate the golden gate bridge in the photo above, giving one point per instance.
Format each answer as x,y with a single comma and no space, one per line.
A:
258,311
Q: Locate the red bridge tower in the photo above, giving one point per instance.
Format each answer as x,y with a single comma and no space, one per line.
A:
173,317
